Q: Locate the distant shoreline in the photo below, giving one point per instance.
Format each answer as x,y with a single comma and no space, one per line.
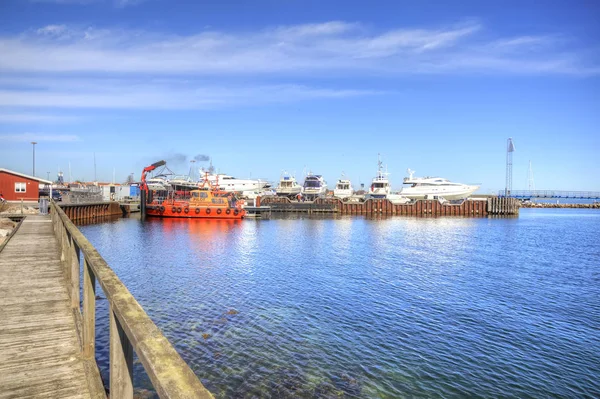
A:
550,205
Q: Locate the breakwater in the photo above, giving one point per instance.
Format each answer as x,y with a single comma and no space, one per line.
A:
471,207
559,206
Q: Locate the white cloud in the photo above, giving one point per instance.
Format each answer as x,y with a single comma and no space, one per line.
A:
38,137
326,48
52,30
20,117
156,94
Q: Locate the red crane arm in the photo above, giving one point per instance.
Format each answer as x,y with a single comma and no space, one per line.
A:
147,170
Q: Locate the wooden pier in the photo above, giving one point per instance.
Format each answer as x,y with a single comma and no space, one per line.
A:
47,332
472,207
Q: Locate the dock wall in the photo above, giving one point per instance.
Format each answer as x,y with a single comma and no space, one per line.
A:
471,207
92,210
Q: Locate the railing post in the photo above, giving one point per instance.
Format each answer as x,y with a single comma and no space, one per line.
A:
121,360
89,311
75,274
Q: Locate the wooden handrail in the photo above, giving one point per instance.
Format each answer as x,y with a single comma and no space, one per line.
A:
130,327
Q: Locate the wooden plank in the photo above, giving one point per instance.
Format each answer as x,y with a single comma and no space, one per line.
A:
39,351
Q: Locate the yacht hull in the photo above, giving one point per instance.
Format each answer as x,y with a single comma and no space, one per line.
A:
447,193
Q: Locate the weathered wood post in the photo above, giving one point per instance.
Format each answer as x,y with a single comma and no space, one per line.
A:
89,311
121,360
74,263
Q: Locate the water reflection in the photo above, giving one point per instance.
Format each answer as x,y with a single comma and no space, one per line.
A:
357,307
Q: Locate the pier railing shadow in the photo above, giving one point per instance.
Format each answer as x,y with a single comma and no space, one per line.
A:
130,327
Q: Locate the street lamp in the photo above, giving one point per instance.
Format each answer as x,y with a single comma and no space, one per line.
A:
33,143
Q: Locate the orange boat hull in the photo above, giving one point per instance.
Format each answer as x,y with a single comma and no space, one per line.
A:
194,212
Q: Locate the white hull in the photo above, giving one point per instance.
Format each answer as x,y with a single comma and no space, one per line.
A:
226,183
342,193
449,193
288,191
314,191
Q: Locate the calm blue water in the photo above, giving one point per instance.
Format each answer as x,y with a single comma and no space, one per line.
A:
353,307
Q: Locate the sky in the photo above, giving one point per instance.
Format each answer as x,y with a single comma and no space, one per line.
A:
263,87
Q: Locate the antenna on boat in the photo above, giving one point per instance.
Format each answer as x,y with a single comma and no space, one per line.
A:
410,173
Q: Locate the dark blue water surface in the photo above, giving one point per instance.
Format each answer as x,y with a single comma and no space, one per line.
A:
384,308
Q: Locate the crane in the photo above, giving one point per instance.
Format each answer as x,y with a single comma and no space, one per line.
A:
148,169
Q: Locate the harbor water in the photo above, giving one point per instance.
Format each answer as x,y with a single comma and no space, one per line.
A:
369,308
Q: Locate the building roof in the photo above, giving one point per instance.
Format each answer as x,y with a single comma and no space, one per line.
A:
12,172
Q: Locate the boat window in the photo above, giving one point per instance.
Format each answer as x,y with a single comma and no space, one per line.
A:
379,185
312,183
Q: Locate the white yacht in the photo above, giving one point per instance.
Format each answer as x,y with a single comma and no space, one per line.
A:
158,184
430,187
314,186
232,184
343,188
183,183
288,186
380,185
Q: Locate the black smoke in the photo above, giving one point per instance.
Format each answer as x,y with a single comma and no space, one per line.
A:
201,158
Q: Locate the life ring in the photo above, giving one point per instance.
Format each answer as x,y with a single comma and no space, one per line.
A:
174,210
179,210
228,211
197,211
186,210
162,208
219,211
208,211
236,212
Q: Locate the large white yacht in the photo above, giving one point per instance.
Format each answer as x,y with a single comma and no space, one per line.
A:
343,188
428,187
232,184
288,186
314,186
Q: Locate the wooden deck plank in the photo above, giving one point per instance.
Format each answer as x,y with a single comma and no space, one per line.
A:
39,348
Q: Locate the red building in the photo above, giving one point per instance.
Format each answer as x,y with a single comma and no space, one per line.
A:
15,186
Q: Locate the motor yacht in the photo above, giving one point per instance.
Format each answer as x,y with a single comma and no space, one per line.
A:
288,186
232,184
158,184
380,185
182,183
428,187
314,186
343,188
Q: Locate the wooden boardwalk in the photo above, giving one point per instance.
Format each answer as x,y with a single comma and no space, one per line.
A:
40,353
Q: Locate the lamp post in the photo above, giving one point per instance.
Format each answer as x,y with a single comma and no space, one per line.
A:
33,143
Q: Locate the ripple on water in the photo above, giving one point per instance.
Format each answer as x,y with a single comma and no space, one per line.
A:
353,307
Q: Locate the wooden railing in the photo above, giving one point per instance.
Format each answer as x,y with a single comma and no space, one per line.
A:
130,327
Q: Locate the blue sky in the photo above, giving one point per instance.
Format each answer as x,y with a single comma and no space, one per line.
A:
266,86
